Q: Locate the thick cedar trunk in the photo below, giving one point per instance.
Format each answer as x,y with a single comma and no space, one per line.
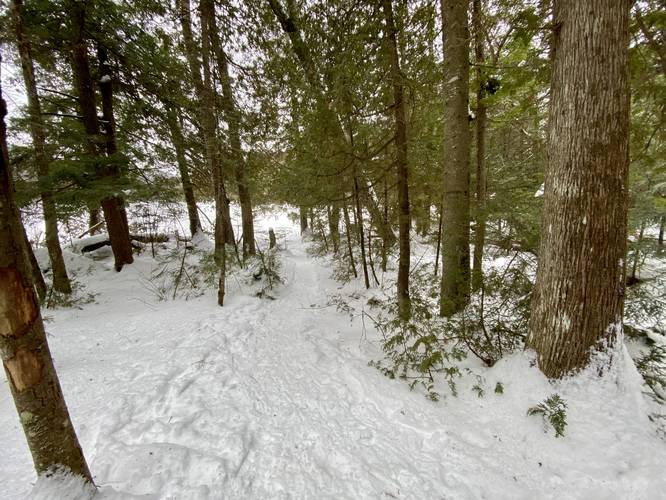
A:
42,158
25,353
481,177
114,212
578,297
207,118
404,217
188,190
233,118
455,287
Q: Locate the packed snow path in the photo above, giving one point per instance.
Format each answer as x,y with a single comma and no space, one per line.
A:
274,399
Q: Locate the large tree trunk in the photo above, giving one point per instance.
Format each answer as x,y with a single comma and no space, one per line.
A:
114,212
455,287
404,217
481,174
113,206
178,141
578,299
233,118
42,158
207,117
25,353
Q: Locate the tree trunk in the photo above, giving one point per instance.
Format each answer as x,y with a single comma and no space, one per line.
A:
637,254
455,286
304,218
439,239
113,206
42,158
660,240
481,173
179,147
361,236
33,267
404,217
114,212
233,118
207,117
94,221
334,226
349,239
25,353
578,297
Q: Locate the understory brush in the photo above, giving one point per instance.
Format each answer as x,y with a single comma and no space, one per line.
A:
188,272
492,325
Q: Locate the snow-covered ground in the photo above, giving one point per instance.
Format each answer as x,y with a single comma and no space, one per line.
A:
271,399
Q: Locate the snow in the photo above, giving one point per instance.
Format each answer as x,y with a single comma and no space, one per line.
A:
274,399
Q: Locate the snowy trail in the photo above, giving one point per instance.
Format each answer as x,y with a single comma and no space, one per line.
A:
274,399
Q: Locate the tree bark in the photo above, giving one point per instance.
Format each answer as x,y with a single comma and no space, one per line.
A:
33,268
349,239
23,347
207,118
113,206
114,212
455,285
481,172
233,118
361,236
578,297
303,212
42,158
334,226
404,217
188,190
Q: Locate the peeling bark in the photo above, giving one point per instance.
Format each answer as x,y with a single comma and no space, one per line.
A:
23,348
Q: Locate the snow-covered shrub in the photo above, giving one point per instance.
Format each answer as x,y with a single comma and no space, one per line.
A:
420,348
553,410
262,273
652,366
496,320
79,297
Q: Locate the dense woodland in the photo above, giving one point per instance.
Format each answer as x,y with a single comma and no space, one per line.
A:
529,131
